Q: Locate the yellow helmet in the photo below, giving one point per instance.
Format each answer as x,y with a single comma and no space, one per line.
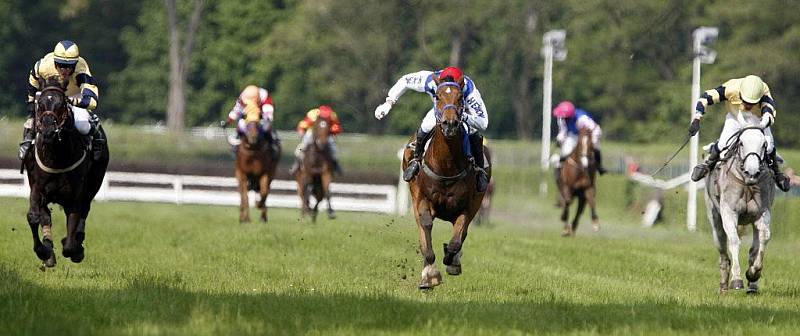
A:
752,89
66,52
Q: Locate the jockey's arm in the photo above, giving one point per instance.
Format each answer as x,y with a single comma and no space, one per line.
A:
267,109
562,130
477,116
236,112
89,92
33,82
768,105
585,122
414,81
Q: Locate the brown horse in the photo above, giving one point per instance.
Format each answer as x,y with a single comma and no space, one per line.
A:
445,188
316,171
60,170
577,180
256,160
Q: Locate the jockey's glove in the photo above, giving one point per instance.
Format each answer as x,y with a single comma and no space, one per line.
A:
383,109
766,120
694,127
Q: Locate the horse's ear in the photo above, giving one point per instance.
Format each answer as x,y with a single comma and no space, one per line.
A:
462,82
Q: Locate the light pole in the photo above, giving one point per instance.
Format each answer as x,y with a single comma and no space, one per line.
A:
553,46
703,38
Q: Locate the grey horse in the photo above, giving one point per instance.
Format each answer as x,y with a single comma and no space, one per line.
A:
740,192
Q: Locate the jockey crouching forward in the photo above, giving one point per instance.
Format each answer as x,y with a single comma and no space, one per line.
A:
326,113
82,94
477,118
571,121
254,101
742,95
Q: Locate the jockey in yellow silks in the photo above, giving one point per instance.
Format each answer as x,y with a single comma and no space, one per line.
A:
254,104
82,93
477,118
742,97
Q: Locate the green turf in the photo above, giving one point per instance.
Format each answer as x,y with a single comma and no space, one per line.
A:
167,269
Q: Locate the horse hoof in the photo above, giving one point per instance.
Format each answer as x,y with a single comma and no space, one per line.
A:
430,283
50,262
752,289
596,226
454,269
264,219
566,233
78,257
331,215
752,276
738,284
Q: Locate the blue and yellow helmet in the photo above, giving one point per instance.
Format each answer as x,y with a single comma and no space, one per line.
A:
66,53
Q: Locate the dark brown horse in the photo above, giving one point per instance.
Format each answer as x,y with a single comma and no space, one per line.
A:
445,188
256,160
316,171
577,180
60,170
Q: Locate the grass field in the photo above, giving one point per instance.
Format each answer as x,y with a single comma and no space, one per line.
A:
193,270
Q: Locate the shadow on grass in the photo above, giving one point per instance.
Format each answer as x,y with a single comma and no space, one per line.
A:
162,304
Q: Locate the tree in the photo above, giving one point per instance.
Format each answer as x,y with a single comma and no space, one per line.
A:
180,52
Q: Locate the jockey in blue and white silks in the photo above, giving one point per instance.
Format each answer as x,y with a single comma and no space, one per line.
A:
476,116
741,97
571,121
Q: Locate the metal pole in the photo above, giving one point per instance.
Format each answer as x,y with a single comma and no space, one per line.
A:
691,207
547,91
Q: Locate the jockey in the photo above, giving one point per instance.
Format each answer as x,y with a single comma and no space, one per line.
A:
327,113
571,121
741,95
254,101
82,93
477,118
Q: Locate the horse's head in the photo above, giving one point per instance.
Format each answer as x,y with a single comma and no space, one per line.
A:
752,152
321,129
52,113
252,131
449,105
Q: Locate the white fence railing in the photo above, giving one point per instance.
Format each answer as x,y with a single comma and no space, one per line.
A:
188,189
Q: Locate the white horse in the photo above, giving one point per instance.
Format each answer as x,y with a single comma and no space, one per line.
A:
739,192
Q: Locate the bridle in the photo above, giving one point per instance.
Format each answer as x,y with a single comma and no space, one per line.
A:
440,112
60,122
734,147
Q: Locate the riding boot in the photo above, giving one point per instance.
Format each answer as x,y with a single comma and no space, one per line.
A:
337,168
419,148
781,180
598,158
275,143
98,139
476,144
27,139
702,169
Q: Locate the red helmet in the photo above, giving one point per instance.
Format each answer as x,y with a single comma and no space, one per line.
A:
325,112
452,71
565,109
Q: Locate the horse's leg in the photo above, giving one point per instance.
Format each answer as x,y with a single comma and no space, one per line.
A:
452,250
244,202
36,216
566,200
721,242
430,275
263,184
71,248
579,211
761,236
590,197
326,191
729,224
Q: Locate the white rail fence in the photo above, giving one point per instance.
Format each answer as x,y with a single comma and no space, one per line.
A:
188,189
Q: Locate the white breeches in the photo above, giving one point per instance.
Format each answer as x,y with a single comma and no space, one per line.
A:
571,141
307,139
81,116
733,124
429,122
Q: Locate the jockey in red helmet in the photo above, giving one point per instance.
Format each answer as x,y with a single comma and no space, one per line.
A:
327,113
476,114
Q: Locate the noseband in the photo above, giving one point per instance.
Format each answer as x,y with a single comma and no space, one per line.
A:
60,123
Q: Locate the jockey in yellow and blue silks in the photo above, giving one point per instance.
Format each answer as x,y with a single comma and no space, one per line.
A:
741,95
82,93
477,118
255,102
571,121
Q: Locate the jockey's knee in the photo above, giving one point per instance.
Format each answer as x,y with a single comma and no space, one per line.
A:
83,126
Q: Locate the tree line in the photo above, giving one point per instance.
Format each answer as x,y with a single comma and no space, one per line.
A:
628,63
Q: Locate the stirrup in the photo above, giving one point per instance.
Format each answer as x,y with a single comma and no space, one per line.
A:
699,172
783,182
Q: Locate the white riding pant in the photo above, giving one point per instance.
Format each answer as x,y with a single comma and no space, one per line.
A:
307,139
571,141
734,124
429,122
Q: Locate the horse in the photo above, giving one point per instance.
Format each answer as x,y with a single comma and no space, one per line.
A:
256,161
316,171
60,170
445,187
739,192
486,204
577,179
